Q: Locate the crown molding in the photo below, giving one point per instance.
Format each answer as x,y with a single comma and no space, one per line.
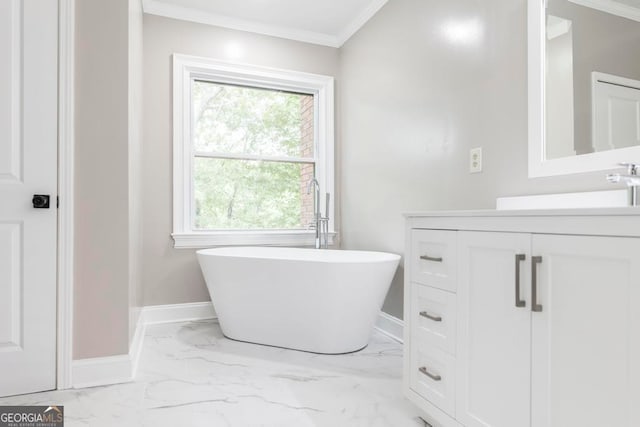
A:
364,17
159,8
167,10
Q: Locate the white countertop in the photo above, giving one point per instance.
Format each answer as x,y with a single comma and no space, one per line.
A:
625,211
624,222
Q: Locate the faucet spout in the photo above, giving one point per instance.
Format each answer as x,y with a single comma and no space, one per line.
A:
312,182
631,179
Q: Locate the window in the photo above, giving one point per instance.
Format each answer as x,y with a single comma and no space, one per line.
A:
247,140
254,152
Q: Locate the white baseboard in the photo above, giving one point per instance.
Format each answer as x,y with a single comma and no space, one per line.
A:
99,371
177,312
390,326
135,349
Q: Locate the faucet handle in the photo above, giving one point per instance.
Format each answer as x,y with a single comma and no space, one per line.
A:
327,204
632,168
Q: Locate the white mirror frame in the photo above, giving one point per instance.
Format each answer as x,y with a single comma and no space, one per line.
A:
538,165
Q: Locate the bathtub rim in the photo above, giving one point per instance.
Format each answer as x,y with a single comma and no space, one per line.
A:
276,253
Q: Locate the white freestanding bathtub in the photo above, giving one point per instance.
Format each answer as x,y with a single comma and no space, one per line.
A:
317,300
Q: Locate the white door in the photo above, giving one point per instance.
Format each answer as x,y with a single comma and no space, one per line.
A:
494,336
586,338
28,150
616,112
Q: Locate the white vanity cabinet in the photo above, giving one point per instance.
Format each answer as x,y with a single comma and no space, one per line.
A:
546,331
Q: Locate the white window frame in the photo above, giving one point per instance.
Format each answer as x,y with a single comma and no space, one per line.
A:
188,68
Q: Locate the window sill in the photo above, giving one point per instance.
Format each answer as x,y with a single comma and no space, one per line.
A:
204,239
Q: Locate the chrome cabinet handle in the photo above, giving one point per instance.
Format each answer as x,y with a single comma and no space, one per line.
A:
431,317
430,258
519,259
535,260
434,377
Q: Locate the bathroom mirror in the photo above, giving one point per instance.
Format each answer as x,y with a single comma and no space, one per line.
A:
584,85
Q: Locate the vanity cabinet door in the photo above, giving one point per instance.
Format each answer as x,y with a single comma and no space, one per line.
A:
586,336
494,332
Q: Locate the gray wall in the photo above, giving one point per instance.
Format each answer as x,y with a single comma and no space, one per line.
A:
559,97
413,103
101,288
107,288
172,276
135,58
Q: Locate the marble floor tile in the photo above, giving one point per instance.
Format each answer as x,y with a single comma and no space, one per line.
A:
189,374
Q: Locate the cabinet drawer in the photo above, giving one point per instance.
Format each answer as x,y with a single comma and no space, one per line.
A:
432,376
433,317
434,255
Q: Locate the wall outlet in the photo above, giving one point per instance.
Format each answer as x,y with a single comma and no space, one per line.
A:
475,160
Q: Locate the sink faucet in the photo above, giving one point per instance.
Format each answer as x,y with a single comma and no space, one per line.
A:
632,179
320,223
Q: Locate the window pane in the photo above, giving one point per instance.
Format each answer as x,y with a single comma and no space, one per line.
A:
245,194
246,120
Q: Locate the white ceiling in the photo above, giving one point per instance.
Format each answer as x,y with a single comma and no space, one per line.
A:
632,3
629,9
325,22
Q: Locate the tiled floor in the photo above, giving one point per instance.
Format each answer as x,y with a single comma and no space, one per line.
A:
190,375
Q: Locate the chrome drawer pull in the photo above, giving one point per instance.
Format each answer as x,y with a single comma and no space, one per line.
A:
535,260
519,302
434,377
430,317
430,258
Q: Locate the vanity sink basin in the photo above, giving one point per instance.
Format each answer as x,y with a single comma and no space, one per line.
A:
590,199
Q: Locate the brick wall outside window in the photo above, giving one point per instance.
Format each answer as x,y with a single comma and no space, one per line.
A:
307,150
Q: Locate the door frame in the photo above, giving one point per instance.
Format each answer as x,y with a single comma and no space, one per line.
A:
66,146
